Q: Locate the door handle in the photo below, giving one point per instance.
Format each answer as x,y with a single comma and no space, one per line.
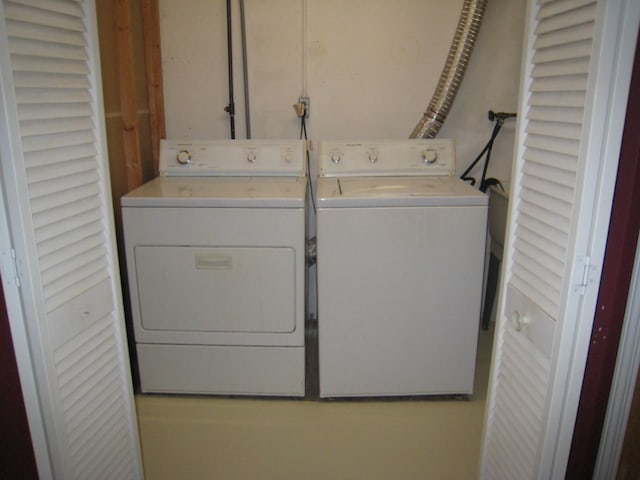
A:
214,262
519,320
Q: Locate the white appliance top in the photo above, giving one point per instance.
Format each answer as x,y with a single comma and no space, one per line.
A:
226,173
232,158
397,191
392,173
387,158
249,192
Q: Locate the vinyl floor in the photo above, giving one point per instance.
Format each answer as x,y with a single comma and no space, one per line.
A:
189,437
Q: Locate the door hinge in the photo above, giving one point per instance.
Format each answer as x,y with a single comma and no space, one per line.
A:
584,274
9,266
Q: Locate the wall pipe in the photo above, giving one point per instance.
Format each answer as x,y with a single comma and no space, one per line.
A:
451,77
231,108
245,69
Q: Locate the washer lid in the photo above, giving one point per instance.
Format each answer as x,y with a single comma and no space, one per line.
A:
397,191
254,192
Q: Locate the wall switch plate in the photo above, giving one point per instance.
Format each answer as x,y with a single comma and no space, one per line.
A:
306,101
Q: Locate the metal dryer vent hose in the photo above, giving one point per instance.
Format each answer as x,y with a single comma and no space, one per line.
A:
453,71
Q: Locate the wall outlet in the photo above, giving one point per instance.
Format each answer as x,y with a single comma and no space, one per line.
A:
306,101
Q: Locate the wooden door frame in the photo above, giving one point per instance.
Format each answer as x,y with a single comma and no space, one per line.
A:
127,85
613,294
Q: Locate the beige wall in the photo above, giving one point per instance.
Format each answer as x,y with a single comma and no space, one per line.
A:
370,68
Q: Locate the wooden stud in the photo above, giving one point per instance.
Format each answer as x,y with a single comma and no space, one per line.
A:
127,87
153,62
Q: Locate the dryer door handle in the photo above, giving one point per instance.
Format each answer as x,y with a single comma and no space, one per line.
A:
214,262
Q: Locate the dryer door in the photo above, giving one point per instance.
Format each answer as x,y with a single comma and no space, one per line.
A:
215,289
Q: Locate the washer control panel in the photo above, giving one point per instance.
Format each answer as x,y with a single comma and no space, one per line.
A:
232,157
388,158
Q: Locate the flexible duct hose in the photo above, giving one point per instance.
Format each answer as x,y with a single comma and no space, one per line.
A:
453,71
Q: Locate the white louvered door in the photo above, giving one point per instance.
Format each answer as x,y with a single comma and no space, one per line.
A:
573,96
55,179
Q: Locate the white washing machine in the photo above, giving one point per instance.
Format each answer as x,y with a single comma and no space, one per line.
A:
400,257
215,251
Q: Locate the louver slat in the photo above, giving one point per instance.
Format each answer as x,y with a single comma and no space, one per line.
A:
544,230
551,266
51,202
58,263
549,188
555,251
26,80
59,293
69,236
39,48
565,36
53,186
53,126
557,98
564,52
546,216
69,7
85,218
45,142
566,83
556,129
59,155
53,111
574,66
44,173
554,159
531,272
22,63
21,30
551,7
41,96
555,145
557,114
62,214
559,218
37,16
559,180
552,20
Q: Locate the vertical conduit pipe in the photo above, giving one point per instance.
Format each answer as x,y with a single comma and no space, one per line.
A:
231,108
451,77
245,69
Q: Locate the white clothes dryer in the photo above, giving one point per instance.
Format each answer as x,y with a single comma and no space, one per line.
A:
400,258
215,252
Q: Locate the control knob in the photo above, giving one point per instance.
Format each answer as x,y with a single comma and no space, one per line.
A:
429,155
252,157
335,157
184,157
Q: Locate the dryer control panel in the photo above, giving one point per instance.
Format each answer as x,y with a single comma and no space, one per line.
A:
232,158
387,158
